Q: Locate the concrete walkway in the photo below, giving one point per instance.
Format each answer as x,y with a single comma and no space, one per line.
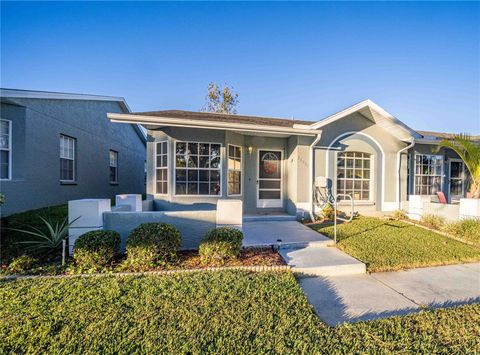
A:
274,232
354,298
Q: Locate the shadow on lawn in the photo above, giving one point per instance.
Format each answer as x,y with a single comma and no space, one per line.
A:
334,310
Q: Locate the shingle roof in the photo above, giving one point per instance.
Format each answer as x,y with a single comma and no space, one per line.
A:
442,135
221,117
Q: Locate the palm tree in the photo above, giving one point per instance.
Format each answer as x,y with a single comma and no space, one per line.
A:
469,151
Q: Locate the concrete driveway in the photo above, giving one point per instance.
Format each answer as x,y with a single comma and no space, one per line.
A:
357,298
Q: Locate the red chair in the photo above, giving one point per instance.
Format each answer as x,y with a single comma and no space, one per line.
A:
441,197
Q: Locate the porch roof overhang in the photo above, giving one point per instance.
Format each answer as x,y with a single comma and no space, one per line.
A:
153,122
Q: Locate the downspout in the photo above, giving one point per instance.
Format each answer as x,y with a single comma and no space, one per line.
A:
312,172
399,198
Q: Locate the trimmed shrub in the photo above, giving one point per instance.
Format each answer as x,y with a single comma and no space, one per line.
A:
399,214
21,264
433,221
466,229
96,249
152,244
220,244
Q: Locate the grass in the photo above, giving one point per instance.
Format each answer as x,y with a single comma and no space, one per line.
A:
207,312
9,239
393,245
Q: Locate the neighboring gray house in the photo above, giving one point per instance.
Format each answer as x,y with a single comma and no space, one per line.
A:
275,165
57,147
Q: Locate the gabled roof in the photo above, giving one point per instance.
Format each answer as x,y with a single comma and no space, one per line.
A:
6,94
53,95
376,114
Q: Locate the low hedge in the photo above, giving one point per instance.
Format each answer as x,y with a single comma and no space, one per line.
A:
220,244
151,244
96,249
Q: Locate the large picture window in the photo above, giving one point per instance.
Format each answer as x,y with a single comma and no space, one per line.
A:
354,175
428,174
5,149
161,167
67,158
234,170
197,168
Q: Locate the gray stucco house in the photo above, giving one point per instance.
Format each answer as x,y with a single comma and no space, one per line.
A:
275,165
57,147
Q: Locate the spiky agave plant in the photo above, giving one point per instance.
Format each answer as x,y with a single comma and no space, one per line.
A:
48,240
469,151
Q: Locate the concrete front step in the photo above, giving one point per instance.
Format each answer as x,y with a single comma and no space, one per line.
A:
326,261
268,218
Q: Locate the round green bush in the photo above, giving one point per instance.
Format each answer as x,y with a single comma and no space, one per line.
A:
151,244
94,250
220,244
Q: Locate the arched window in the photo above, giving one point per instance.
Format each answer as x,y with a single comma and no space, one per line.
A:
354,175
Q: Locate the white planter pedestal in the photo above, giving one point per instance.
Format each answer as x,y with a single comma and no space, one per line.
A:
469,208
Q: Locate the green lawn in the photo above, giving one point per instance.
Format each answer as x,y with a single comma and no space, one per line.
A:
222,312
392,245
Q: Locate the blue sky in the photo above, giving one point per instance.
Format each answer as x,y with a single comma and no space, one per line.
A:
420,61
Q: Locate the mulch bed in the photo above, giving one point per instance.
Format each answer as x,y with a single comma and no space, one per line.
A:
187,260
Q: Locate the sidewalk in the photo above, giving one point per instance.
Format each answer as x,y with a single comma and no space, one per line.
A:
354,298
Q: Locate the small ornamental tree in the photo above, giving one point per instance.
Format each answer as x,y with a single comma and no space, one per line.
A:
220,100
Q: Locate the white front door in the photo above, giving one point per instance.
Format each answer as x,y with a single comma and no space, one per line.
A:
269,178
457,179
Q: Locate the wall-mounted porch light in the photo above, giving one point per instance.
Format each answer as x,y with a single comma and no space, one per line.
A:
250,149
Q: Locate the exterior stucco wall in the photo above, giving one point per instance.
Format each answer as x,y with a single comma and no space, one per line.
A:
357,133
36,163
295,165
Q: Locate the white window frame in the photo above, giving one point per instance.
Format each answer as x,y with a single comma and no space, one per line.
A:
239,170
434,175
174,183
371,190
10,148
155,156
74,159
113,166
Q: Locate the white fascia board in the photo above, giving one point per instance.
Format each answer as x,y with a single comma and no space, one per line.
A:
27,94
192,123
357,107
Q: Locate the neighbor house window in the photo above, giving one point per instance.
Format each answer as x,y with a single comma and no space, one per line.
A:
161,167
67,158
428,174
5,149
354,175
234,170
113,156
197,168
